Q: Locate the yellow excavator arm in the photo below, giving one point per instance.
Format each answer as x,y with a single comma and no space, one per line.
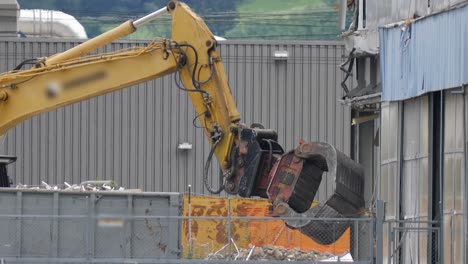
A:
67,77
252,161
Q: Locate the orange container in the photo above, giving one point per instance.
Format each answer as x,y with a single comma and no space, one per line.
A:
203,236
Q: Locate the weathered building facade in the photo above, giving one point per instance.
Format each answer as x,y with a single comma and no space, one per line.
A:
412,71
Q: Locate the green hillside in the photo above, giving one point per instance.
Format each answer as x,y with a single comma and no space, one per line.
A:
241,19
278,5
277,19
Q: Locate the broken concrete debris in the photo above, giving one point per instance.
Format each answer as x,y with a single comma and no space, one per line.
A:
271,253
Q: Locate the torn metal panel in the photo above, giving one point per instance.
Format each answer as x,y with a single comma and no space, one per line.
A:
366,42
424,56
379,12
365,103
376,13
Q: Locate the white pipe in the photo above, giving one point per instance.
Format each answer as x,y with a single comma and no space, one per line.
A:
342,15
150,17
360,25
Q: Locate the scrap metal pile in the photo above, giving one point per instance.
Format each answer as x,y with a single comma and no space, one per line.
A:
84,186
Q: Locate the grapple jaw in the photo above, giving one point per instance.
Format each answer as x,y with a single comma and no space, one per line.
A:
297,175
260,168
313,223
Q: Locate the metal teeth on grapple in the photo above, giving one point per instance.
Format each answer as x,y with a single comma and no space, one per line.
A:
322,231
295,181
297,177
348,176
306,187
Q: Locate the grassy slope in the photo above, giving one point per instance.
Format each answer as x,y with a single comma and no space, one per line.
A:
256,18
279,5
248,30
319,22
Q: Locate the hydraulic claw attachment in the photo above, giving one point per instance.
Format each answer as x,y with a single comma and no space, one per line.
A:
261,168
296,178
252,159
323,231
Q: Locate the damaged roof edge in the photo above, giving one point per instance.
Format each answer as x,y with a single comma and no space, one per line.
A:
409,21
406,69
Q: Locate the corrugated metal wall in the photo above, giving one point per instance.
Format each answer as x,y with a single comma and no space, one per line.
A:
390,155
407,70
56,226
455,198
131,136
406,182
379,12
415,176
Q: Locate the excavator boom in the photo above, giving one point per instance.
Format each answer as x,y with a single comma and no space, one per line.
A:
67,77
253,163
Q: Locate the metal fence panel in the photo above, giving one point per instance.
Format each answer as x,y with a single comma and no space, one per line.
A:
355,248
63,226
401,247
131,136
265,232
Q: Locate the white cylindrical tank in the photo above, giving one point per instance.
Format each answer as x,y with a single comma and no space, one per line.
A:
49,23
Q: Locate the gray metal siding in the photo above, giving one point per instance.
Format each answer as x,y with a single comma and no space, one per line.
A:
88,225
454,178
131,136
406,67
415,176
389,156
389,179
380,13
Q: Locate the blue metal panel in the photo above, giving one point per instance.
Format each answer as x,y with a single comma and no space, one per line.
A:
430,55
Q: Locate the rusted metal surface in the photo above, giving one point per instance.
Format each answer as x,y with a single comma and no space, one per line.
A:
209,235
348,176
298,175
294,181
254,156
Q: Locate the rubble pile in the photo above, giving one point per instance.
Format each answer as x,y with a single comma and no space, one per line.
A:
84,186
271,253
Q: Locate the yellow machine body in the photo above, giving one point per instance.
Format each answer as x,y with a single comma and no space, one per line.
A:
68,77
